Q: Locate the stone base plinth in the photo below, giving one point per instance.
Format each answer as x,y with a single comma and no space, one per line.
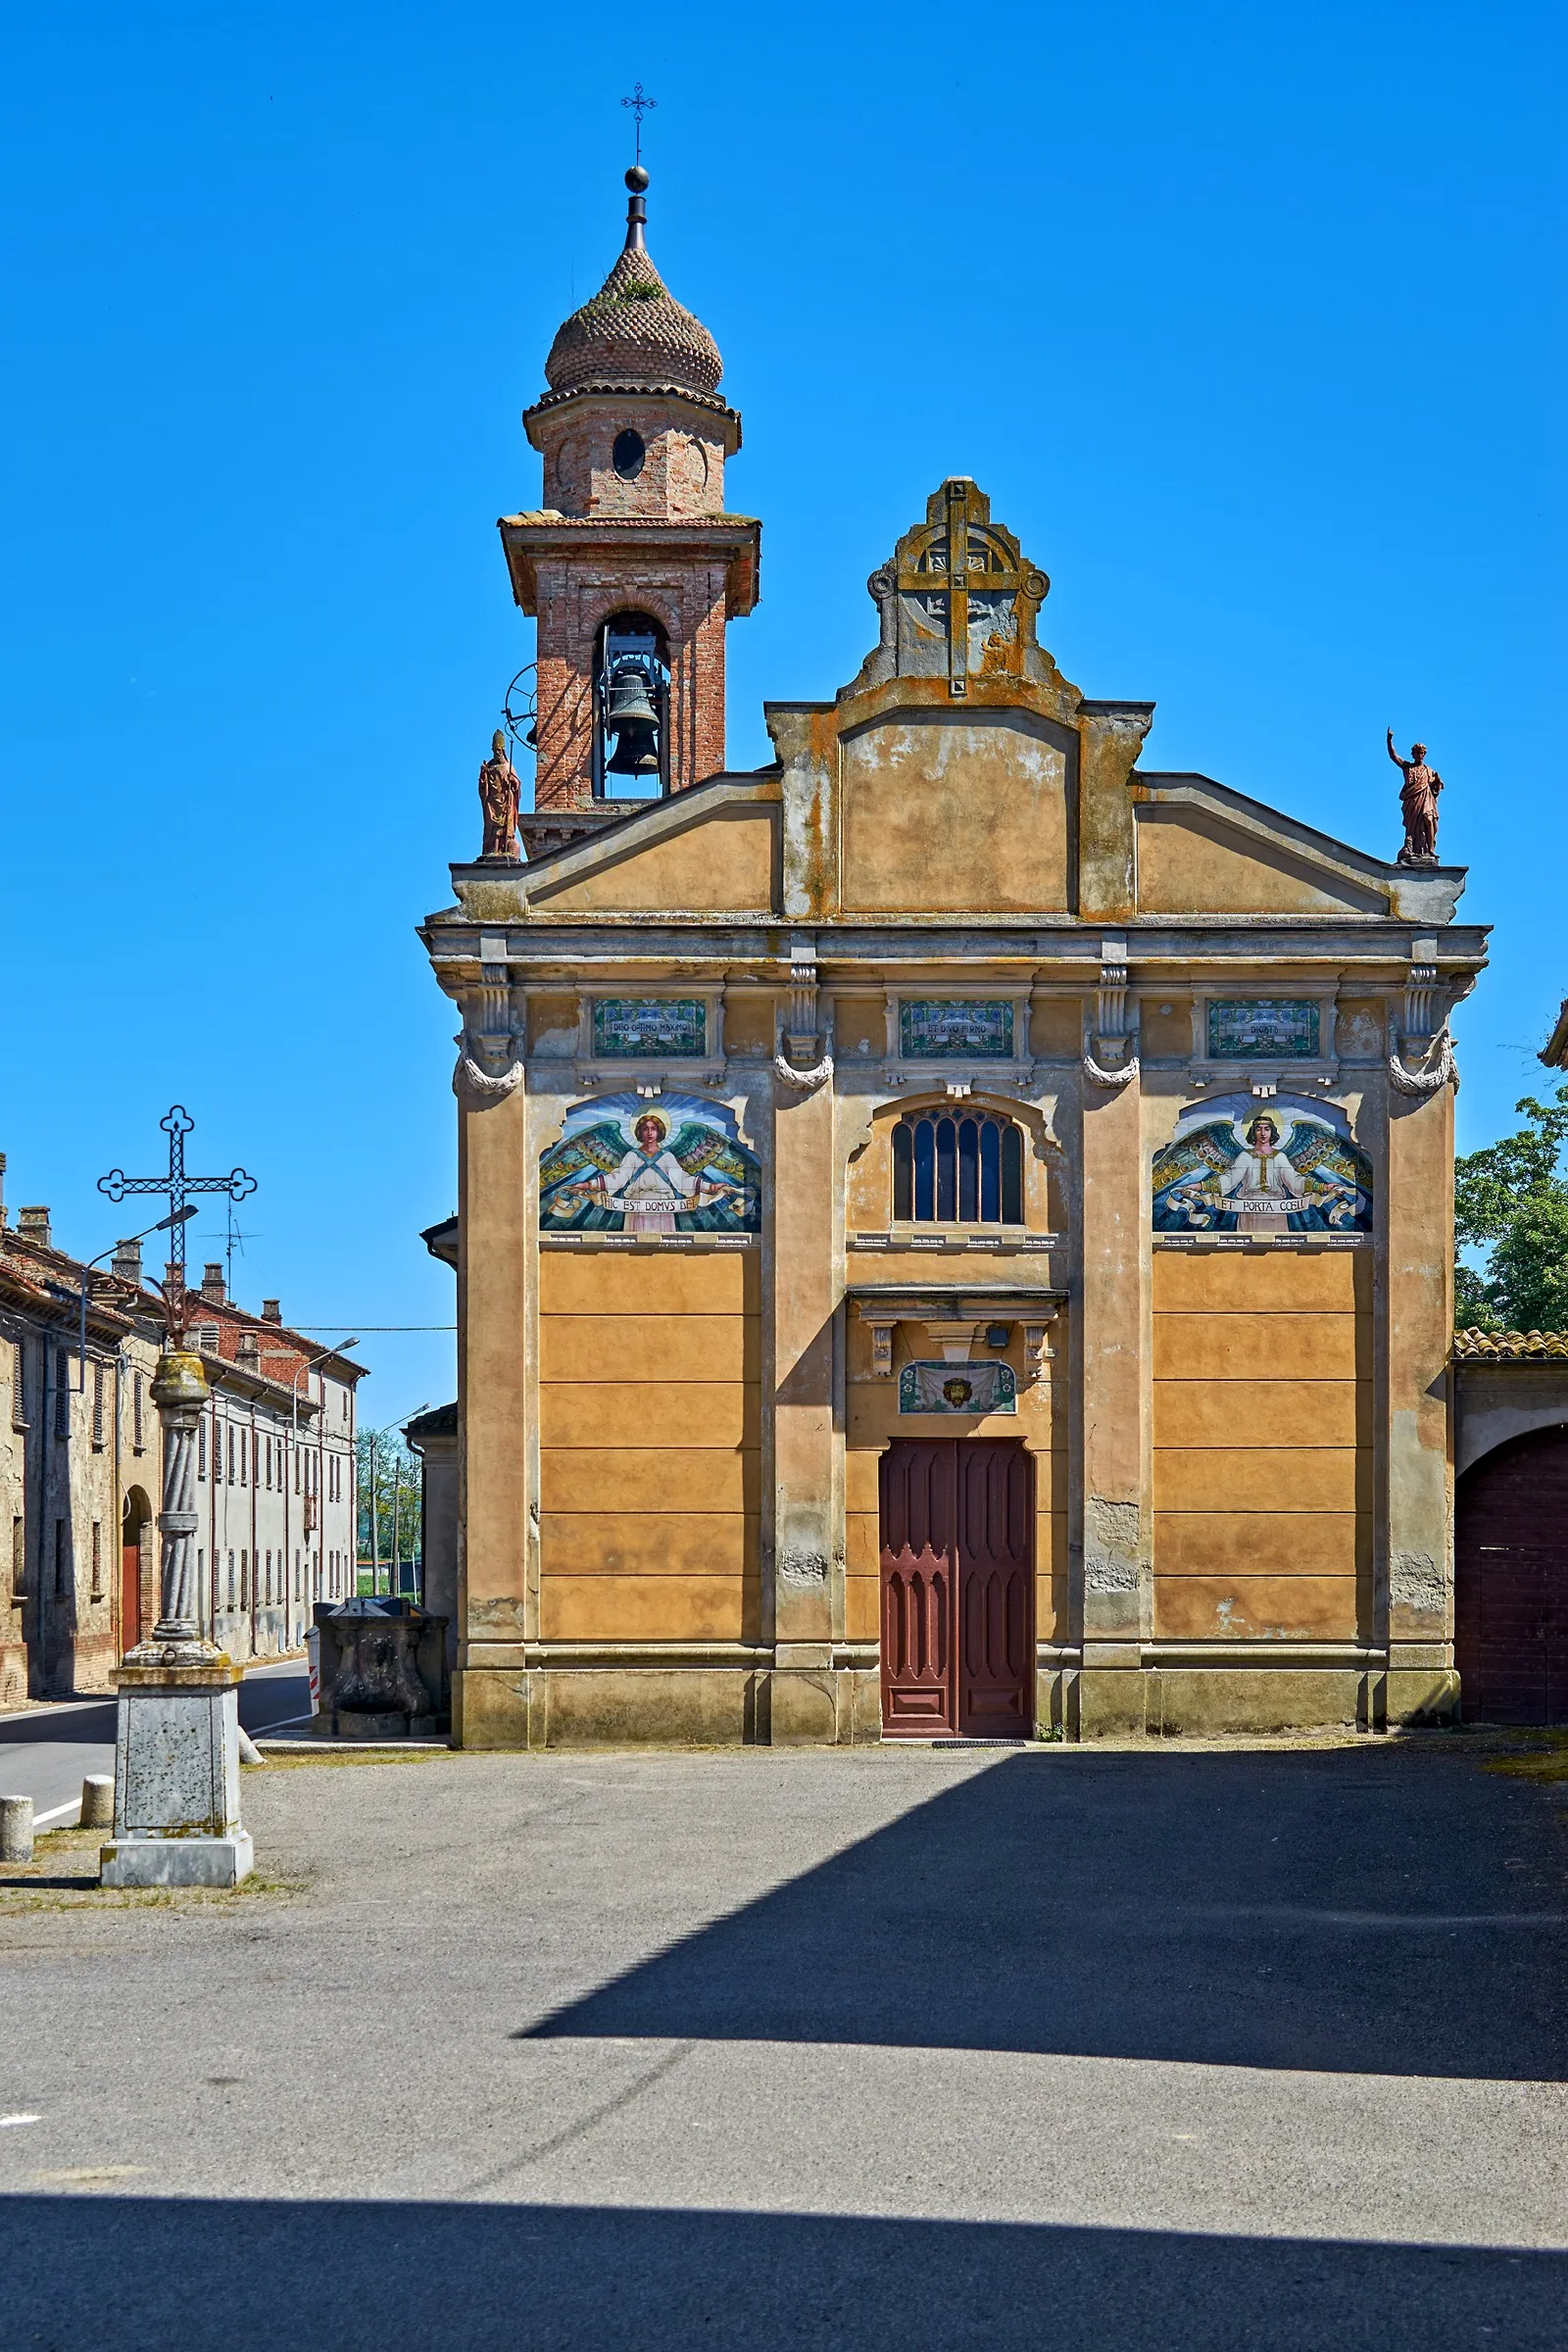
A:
178,1861
177,1772
651,1706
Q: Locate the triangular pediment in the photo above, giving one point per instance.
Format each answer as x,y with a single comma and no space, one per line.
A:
1203,850
711,850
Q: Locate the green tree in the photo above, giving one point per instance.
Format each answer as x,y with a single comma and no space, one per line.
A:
1511,1201
397,1503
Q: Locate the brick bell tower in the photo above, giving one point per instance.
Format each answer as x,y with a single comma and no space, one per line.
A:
631,566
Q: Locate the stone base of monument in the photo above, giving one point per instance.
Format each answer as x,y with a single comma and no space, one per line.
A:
178,1861
177,1771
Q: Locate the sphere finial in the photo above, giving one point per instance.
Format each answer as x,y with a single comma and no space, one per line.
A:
637,179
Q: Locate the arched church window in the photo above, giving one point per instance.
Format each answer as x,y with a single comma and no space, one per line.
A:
631,709
958,1170
628,454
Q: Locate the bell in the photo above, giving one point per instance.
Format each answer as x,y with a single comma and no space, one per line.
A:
634,722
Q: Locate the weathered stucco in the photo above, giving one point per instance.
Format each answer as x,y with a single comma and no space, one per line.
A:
1240,1448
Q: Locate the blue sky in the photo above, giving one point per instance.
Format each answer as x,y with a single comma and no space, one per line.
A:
1247,320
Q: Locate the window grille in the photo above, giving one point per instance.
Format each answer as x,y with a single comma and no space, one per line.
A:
201,1447
98,1409
97,1560
137,1433
952,1170
19,1384
62,1393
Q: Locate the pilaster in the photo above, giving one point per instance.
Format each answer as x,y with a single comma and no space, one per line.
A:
1416,1335
1117,1523
497,1406
807,1542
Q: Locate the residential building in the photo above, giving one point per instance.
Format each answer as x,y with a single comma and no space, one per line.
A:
81,1467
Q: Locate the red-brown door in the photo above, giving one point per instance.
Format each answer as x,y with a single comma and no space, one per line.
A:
1510,1633
130,1595
995,1587
958,1577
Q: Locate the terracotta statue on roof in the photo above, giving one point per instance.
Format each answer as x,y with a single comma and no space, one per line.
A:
499,790
1419,802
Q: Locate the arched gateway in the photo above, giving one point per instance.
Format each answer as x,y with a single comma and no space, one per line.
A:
1510,1587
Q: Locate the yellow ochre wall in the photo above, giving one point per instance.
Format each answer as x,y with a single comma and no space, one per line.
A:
1263,1456
649,1421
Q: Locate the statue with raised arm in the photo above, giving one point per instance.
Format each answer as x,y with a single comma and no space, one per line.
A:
1418,800
499,791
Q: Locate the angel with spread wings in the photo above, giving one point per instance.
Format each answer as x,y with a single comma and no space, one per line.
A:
1310,1182
593,1179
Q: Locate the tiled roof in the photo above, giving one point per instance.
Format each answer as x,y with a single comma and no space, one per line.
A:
1510,1346
633,336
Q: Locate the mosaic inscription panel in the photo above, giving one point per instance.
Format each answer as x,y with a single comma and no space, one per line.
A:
945,1029
1262,1029
642,1028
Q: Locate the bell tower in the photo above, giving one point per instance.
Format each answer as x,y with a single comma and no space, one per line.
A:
631,565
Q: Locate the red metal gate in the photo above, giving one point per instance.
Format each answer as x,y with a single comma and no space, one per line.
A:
958,1588
1510,1633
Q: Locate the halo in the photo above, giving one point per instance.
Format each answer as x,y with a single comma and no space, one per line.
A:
642,1120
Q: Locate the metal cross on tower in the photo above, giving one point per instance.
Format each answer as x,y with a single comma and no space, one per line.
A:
640,106
177,1124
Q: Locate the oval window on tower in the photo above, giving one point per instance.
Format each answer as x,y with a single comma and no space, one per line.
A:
628,455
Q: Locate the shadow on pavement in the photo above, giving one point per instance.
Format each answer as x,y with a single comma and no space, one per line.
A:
1355,1910
117,2274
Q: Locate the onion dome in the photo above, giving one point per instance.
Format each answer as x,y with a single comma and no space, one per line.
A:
634,336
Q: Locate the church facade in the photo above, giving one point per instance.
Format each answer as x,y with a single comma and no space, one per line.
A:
954,1232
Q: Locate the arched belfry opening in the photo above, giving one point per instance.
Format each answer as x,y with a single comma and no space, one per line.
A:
631,709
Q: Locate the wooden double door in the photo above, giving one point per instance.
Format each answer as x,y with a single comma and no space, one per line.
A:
958,1588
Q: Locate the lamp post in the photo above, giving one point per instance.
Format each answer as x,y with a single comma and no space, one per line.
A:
181,1216
341,1348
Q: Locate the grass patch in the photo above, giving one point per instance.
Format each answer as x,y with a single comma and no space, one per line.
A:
337,1757
62,1875
1541,1756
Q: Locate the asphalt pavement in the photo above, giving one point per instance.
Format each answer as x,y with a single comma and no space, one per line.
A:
1100,2050
47,1752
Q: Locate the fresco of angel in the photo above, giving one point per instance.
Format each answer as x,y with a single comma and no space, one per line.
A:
622,1167
1283,1170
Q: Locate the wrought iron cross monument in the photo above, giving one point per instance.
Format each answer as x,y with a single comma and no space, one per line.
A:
177,1124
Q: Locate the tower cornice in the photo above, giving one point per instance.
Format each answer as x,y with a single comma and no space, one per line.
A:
735,540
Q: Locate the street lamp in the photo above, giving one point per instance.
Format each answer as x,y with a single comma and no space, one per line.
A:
181,1216
341,1348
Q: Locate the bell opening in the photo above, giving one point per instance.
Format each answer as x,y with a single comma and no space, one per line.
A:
631,709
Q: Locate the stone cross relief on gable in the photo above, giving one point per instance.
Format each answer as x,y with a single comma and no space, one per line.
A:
957,599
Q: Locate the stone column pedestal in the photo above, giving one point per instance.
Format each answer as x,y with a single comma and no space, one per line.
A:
176,1777
177,1756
